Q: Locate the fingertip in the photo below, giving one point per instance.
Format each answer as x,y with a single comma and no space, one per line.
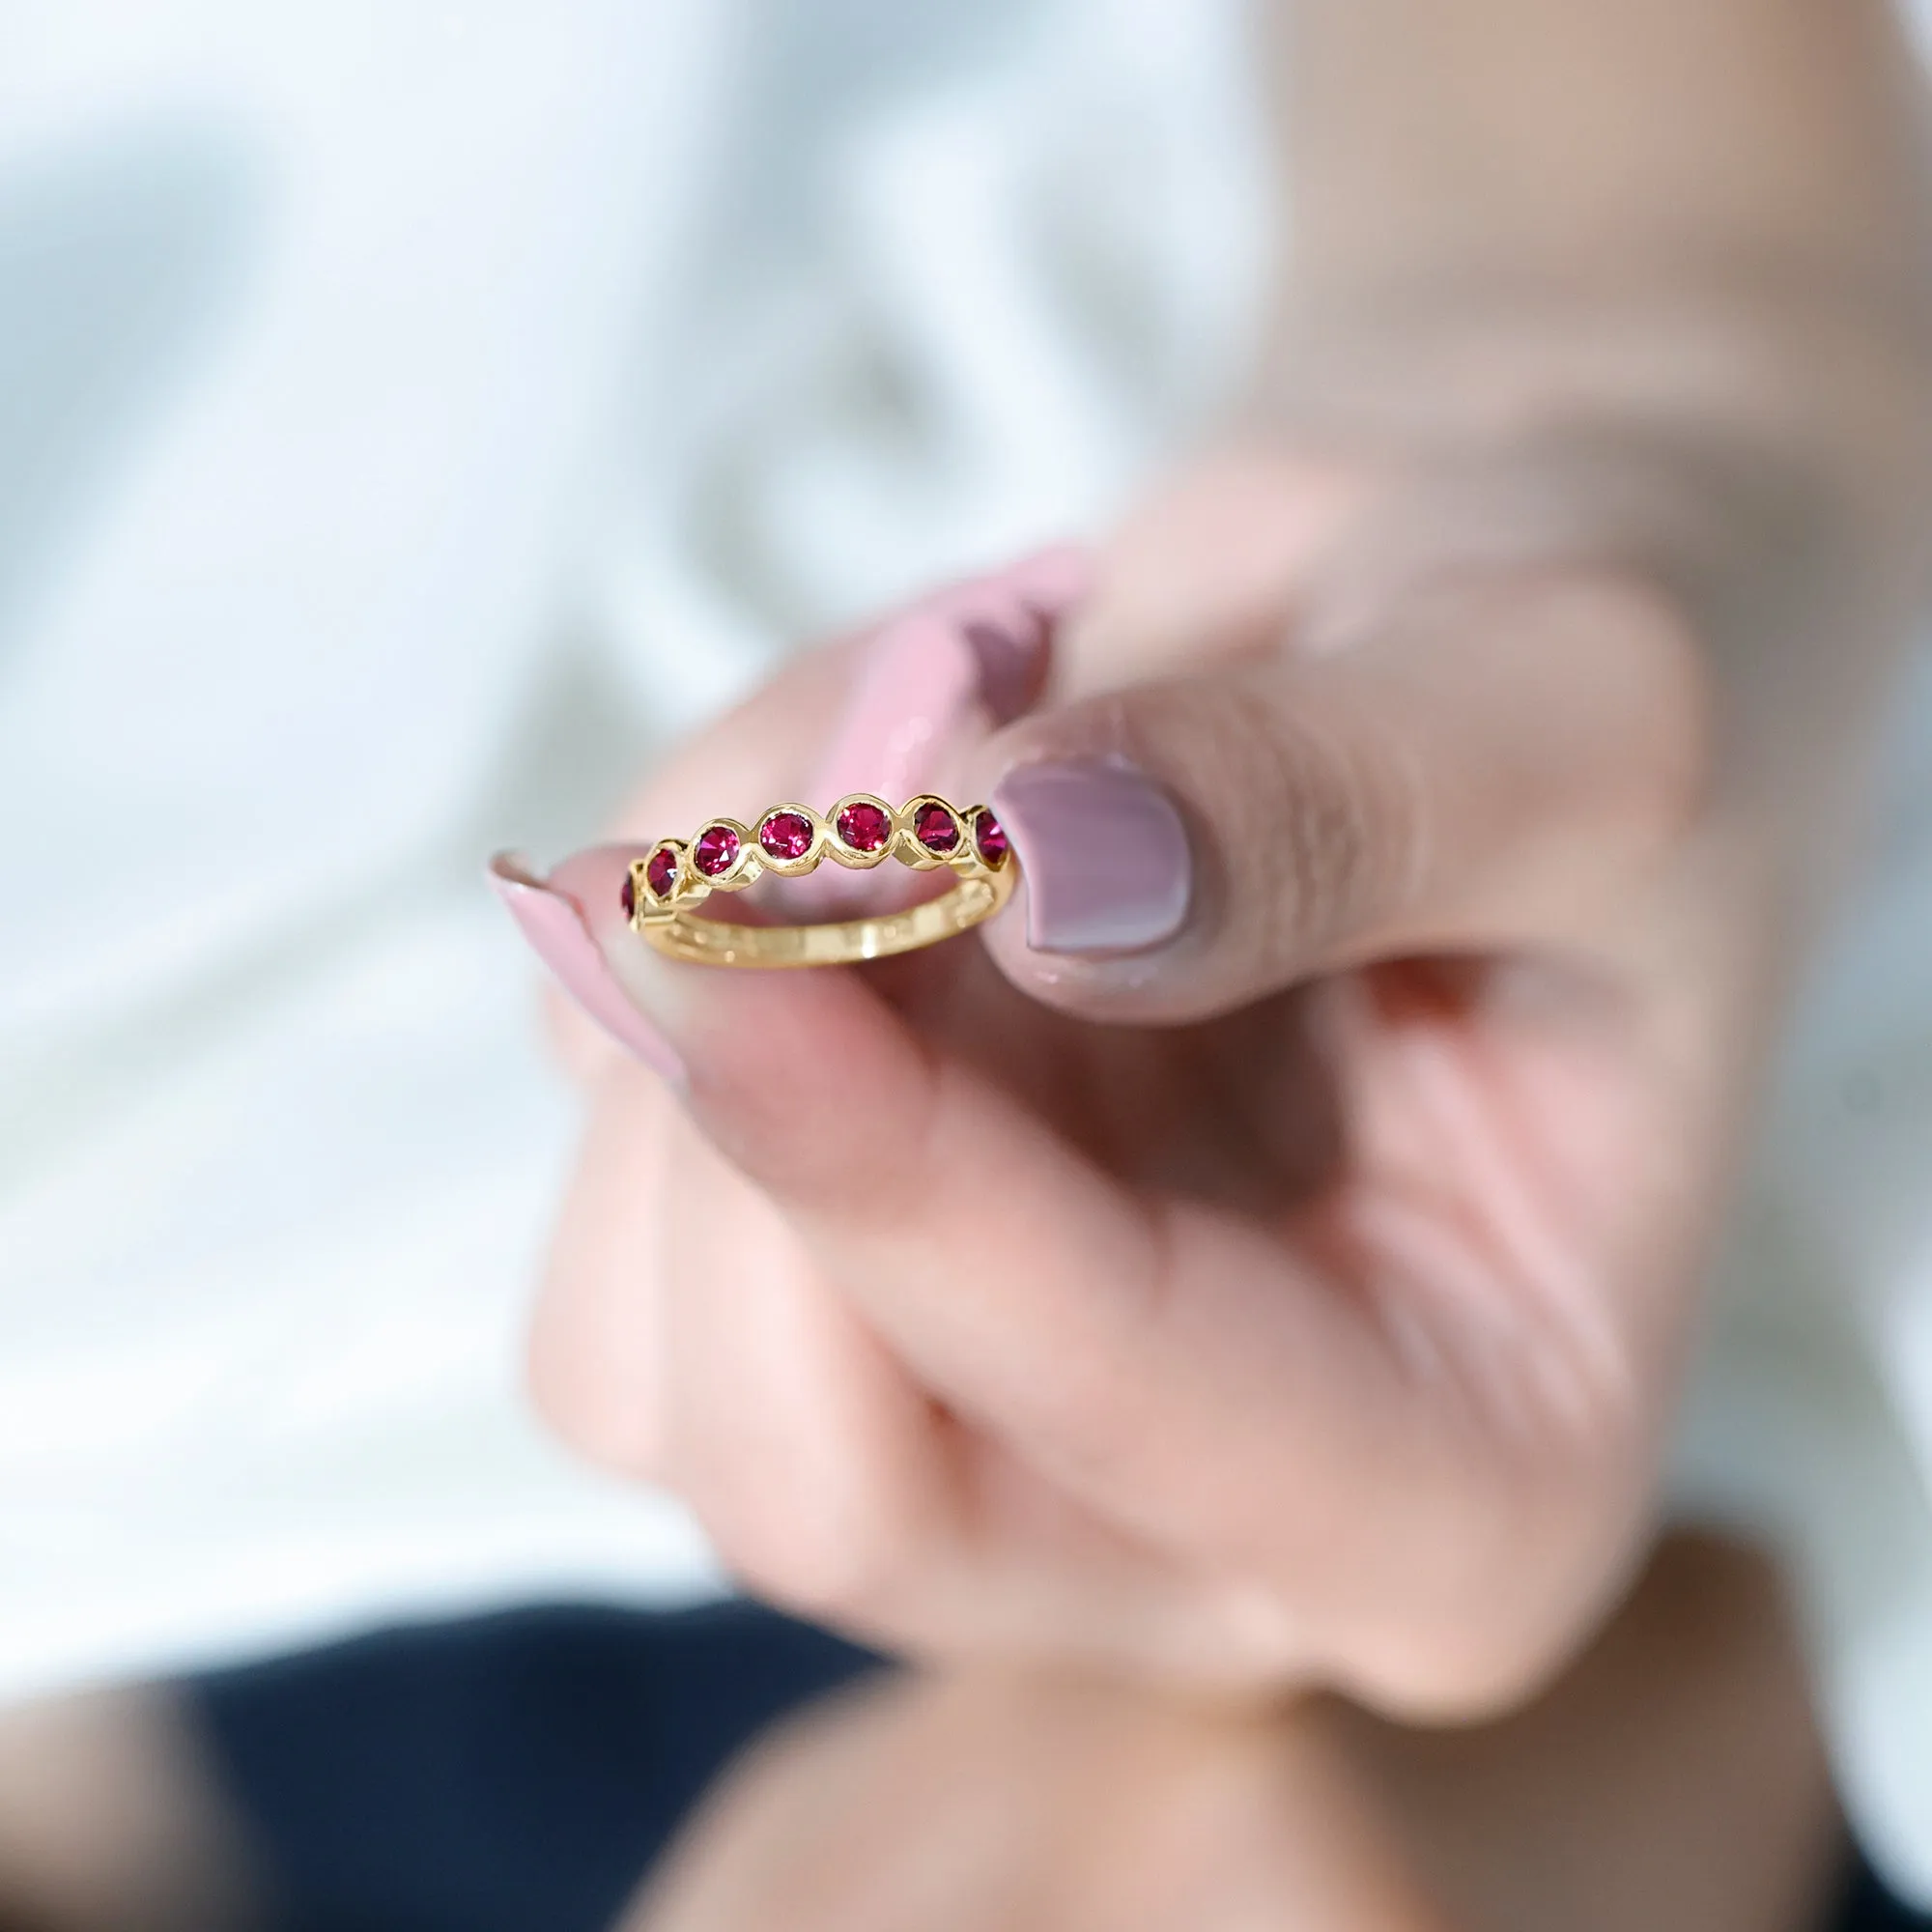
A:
781,1070
1053,581
569,919
1108,919
593,881
911,691
980,646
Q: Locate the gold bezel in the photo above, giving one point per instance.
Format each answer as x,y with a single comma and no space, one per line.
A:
808,860
747,863
913,851
670,923
644,896
845,855
981,862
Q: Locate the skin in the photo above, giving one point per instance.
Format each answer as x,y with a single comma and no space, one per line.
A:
1318,1317
1553,577
1554,582
110,1821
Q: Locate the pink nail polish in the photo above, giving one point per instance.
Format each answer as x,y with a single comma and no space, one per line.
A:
1010,618
972,654
982,644
915,688
554,924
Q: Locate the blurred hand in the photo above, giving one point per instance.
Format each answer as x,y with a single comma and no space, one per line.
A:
1269,1257
1002,1805
1673,1782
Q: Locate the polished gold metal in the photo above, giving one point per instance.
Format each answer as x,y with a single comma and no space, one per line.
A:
670,922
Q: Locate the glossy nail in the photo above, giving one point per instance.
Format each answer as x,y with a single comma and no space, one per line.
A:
1104,853
918,690
980,647
914,688
554,924
1009,618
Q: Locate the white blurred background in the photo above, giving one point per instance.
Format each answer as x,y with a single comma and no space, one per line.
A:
411,416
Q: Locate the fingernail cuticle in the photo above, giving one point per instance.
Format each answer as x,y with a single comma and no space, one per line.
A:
1104,853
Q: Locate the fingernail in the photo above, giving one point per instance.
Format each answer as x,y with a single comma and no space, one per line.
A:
553,923
915,685
1104,855
1010,650
922,685
1008,618
981,644
1052,581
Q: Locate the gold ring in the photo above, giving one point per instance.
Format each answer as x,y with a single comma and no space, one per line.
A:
676,875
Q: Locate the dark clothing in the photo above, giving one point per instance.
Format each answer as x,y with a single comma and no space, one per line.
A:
513,1772
519,1773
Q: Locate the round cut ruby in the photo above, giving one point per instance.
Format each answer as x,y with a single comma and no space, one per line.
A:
933,826
786,834
991,837
660,872
716,848
864,827
628,895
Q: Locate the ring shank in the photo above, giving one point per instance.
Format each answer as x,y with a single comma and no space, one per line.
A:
711,942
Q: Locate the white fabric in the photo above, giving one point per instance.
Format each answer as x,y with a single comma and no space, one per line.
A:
1811,1421
411,415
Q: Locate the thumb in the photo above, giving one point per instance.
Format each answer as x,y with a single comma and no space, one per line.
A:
1494,760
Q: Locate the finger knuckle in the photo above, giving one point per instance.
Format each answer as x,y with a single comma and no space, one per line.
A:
1353,846
844,1566
1514,1594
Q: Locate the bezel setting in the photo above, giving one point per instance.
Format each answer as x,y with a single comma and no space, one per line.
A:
784,822
864,831
859,832
720,855
648,889
931,833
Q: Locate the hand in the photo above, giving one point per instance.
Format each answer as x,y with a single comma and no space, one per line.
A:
1671,1781
1296,1288
997,1805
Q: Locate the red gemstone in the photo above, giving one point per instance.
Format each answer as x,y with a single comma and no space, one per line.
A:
932,825
716,848
863,827
660,873
786,834
991,837
629,896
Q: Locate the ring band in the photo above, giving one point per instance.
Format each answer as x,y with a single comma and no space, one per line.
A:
927,833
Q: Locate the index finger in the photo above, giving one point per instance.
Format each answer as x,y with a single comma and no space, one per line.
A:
1189,1375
